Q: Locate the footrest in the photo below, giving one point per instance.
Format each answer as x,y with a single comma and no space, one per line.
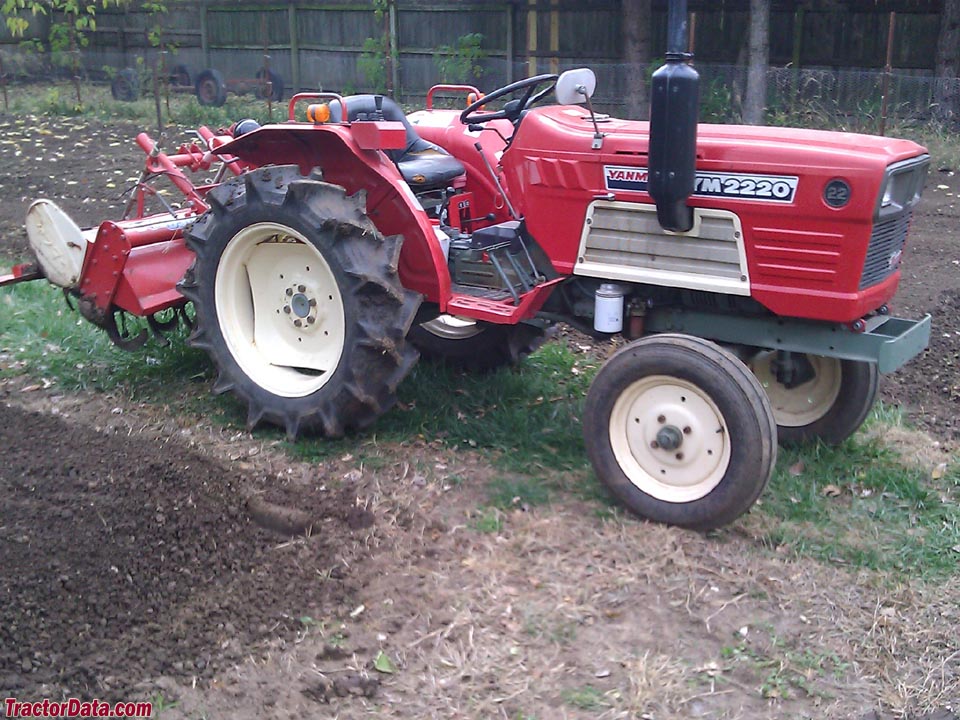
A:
501,312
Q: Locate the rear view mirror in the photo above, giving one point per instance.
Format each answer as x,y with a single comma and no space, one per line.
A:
575,87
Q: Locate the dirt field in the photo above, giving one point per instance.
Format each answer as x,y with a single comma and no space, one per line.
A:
134,567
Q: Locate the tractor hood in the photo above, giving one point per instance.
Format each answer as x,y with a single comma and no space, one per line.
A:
719,147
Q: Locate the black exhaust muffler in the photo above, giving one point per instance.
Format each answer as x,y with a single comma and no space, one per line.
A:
674,108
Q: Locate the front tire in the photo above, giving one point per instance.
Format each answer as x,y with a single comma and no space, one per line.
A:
829,407
680,431
298,302
476,346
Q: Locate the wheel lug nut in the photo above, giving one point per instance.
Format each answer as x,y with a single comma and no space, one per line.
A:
661,419
289,292
297,323
286,309
302,288
313,302
679,456
655,445
687,430
311,320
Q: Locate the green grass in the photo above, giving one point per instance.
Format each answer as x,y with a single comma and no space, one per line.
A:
59,100
526,421
45,338
586,697
527,418
859,504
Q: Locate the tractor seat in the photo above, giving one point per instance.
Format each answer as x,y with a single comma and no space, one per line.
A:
422,164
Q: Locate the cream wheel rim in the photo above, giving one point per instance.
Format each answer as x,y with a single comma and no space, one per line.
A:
670,439
279,309
804,404
451,327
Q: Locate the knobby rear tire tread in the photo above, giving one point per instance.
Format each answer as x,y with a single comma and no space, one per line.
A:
378,310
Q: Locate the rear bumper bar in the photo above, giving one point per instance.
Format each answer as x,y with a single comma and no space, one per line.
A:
889,342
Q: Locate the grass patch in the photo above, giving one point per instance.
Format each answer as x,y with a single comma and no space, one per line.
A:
42,336
59,100
526,418
860,504
784,673
585,698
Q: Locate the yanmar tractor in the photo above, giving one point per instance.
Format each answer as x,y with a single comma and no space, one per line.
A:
749,268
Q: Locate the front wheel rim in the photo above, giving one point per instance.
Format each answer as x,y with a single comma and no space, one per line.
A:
806,403
279,309
670,439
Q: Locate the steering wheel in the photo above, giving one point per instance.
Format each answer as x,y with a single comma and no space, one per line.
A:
511,111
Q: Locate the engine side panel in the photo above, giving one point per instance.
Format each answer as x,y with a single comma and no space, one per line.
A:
624,241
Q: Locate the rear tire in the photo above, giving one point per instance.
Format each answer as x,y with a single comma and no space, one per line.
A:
298,302
180,76
680,431
276,86
125,87
476,346
830,407
211,88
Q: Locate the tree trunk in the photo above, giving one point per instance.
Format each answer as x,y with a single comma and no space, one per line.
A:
636,56
755,101
945,89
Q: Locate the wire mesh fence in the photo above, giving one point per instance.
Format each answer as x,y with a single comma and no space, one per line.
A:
852,99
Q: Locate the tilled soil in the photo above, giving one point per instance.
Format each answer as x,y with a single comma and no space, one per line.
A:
126,560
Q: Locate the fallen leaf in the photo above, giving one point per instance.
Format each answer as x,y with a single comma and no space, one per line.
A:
831,491
383,663
797,468
939,471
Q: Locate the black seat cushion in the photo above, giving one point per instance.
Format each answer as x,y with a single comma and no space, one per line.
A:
421,163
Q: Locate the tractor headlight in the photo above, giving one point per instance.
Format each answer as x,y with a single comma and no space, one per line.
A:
902,185
887,194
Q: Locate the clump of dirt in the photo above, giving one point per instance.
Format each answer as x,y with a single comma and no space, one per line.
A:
126,561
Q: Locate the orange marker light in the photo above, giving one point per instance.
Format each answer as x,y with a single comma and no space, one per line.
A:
473,97
319,113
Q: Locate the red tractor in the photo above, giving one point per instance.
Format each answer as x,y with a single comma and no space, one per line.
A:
750,269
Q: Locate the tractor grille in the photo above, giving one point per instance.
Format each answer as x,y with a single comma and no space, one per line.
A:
883,253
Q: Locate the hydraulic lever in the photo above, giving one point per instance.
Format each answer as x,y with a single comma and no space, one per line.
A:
496,181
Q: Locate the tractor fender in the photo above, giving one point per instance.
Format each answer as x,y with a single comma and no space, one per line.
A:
390,203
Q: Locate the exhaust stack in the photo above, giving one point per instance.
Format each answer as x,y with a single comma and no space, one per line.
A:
674,107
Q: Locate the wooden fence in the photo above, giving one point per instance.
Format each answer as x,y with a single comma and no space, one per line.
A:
321,45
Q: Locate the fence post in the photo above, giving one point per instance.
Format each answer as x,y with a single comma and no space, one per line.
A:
204,39
532,31
508,9
394,49
796,57
294,48
886,75
554,37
